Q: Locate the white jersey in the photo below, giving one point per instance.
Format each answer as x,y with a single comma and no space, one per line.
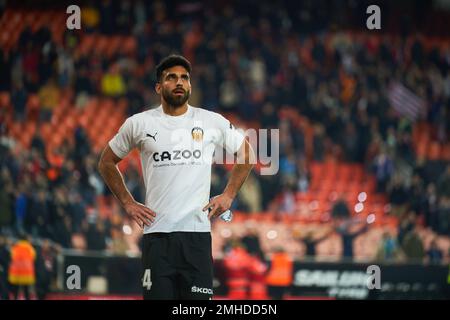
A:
176,155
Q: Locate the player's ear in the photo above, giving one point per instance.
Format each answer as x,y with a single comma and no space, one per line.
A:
158,88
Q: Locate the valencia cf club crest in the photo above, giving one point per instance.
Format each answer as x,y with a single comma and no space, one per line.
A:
197,134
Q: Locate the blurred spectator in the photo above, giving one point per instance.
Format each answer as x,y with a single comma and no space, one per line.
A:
288,168
398,196
118,244
112,83
140,14
19,98
30,62
340,210
83,80
311,239
349,231
45,265
82,145
431,207
350,143
251,241
405,148
406,225
60,203
319,143
384,168
134,97
47,64
443,216
96,236
412,246
66,70
49,96
417,195
218,180
90,17
229,94
434,253
133,182
5,75
4,265
443,184
21,273
62,232
236,262
287,200
123,17
304,176
250,194
107,14
6,201
279,278
389,250
257,277
21,203
38,215
269,116
37,143
76,209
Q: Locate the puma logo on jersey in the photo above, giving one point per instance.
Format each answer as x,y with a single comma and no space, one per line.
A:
152,136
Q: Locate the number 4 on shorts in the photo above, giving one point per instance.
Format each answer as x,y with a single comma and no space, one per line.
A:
147,281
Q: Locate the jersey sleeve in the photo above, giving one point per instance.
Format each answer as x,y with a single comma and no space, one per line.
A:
229,137
124,140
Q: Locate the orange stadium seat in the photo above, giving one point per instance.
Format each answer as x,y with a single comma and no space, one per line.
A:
101,45
46,131
445,155
5,99
434,151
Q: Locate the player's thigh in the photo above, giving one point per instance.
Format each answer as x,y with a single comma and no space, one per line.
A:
162,288
196,279
158,275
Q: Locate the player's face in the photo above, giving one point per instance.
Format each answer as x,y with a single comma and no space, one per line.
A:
175,86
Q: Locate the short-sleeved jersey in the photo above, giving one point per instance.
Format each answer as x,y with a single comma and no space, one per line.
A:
176,155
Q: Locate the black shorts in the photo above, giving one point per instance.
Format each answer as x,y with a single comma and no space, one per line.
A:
177,265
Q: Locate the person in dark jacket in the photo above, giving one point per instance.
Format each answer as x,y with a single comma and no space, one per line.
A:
434,253
349,233
5,258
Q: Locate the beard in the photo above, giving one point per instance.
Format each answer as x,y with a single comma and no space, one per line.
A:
175,100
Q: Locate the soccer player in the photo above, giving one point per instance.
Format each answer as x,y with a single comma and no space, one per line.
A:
176,143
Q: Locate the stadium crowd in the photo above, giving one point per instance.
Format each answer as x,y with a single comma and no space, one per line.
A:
338,82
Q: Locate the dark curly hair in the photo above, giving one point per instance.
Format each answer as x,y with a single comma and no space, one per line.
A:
171,61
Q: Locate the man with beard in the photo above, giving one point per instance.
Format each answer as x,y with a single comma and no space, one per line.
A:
176,143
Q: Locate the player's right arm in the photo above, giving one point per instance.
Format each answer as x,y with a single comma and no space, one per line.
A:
113,153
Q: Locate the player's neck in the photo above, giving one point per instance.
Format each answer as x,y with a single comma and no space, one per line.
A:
174,111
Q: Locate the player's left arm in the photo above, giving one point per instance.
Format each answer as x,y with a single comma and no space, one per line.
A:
239,173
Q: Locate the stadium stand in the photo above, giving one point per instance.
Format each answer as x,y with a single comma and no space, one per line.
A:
342,134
